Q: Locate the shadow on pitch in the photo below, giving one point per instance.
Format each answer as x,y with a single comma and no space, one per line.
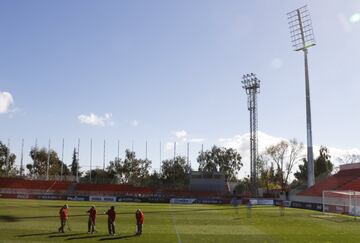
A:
38,234
84,237
64,235
8,218
118,237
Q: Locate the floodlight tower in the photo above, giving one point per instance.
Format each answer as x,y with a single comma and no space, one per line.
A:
251,84
302,38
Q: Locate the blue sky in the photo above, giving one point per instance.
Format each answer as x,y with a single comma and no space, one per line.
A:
171,71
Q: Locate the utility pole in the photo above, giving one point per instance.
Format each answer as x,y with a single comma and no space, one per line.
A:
78,162
7,158
48,163
62,159
90,159
22,158
104,156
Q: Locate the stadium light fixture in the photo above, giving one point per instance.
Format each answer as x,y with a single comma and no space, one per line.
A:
302,38
251,84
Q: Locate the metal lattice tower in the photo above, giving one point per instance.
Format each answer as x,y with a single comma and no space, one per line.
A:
251,84
302,38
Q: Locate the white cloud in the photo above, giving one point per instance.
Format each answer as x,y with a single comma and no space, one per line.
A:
6,100
241,144
95,120
355,18
181,135
134,123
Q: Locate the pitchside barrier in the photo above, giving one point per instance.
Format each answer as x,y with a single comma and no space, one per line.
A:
102,199
258,201
182,200
77,198
151,199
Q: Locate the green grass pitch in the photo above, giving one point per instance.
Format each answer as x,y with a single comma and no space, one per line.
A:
37,221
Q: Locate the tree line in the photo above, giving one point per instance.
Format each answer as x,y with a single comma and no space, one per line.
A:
173,173
281,166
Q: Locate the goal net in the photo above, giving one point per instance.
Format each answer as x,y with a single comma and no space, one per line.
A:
342,202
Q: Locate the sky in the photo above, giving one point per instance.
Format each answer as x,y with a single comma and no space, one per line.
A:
170,71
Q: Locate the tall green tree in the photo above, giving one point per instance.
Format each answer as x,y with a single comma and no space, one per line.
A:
39,165
7,161
74,166
99,176
175,172
130,170
322,165
220,159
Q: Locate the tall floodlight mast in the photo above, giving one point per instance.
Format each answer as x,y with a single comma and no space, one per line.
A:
251,84
302,38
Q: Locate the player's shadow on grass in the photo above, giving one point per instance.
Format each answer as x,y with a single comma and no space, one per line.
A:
38,234
59,235
117,237
84,237
8,218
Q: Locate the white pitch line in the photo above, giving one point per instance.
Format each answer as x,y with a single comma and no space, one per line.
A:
174,223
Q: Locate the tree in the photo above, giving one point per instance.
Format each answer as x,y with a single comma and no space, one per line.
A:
268,178
285,155
74,167
220,159
175,172
322,166
39,165
154,180
99,176
7,161
301,174
243,187
130,170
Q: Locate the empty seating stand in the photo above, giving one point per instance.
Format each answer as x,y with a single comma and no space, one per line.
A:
111,189
20,186
15,185
343,180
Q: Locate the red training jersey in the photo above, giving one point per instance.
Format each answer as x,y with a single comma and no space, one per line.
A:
140,217
111,214
64,213
92,214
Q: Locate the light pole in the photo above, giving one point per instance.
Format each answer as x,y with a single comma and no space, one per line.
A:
302,38
48,162
251,84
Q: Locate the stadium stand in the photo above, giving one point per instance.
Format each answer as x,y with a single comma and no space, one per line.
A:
348,178
16,185
111,189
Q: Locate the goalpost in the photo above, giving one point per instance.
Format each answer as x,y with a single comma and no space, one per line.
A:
342,202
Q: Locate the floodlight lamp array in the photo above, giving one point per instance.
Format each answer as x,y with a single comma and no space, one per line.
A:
250,82
301,31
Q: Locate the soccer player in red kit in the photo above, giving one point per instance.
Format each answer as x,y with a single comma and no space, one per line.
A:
91,221
111,220
64,215
139,221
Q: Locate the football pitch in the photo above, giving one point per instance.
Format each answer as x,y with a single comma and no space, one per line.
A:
38,221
